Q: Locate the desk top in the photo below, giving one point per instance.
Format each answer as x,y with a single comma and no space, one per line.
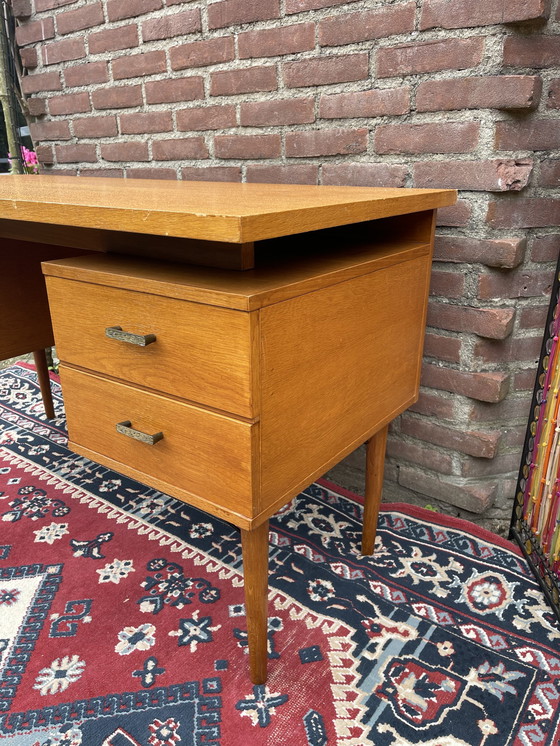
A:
215,211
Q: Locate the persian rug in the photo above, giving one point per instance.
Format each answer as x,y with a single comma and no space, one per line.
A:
122,619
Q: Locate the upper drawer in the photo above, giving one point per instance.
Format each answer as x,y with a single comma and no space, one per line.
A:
201,353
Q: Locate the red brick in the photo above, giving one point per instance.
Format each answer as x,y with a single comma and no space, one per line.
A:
545,248
71,103
457,491
183,149
538,134
45,153
475,443
247,146
514,349
299,6
140,123
112,39
55,129
491,387
447,284
105,173
202,53
483,92
524,213
458,14
324,70
430,56
151,173
437,405
273,42
524,380
532,51
75,153
417,454
211,173
41,5
520,283
553,99
125,151
513,409
174,89
170,25
206,118
233,12
483,176
326,142
248,80
117,9
371,103
37,107
457,215
31,33
29,57
39,82
368,24
437,137
493,323
292,174
364,174
103,126
82,18
497,252
136,65
86,74
532,317
500,465
23,8
117,97
277,111
63,51
550,174
442,348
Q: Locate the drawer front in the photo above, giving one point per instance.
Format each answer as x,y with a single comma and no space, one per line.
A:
201,353
202,453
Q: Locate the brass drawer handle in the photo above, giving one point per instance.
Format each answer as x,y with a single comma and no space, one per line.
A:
125,429
116,332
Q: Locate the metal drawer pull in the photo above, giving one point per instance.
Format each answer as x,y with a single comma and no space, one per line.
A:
116,332
125,429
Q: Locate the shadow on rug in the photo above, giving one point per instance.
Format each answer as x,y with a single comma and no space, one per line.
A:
122,619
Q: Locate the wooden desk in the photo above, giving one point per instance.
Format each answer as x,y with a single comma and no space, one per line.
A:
231,390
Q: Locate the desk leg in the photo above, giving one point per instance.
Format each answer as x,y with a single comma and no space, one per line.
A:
375,462
40,358
255,572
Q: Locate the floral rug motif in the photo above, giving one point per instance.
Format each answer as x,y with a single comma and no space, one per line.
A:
122,620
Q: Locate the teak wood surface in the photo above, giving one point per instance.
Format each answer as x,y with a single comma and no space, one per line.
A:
260,380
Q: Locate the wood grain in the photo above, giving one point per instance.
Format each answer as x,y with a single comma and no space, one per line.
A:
234,213
202,353
375,465
334,363
203,453
254,545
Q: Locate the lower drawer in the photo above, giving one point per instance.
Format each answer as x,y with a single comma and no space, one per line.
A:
203,458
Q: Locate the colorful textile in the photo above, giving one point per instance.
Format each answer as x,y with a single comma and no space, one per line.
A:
122,619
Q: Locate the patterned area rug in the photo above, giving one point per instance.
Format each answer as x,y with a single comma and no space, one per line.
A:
122,620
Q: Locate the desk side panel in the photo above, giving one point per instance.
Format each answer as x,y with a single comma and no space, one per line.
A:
336,365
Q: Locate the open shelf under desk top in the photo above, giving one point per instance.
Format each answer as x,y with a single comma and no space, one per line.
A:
214,211
275,279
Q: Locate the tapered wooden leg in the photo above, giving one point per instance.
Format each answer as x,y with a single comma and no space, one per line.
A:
254,545
375,462
40,358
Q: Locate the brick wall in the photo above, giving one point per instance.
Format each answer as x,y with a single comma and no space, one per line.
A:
427,93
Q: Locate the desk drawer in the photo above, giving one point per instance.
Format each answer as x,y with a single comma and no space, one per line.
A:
201,353
205,455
